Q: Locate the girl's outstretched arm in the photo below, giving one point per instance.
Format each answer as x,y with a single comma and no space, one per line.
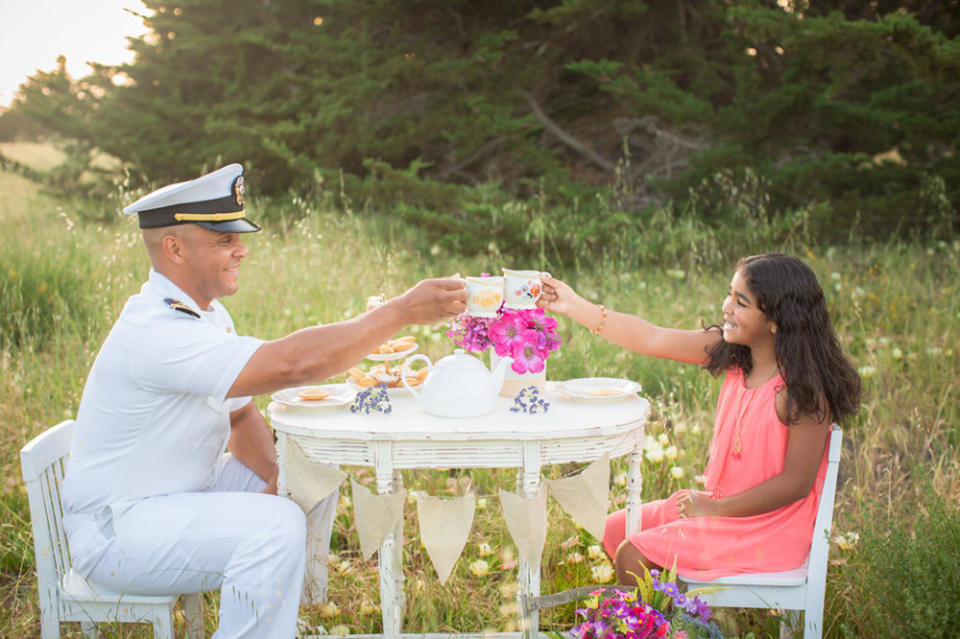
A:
806,440
628,331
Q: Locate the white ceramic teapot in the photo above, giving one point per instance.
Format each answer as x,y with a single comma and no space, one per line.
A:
458,385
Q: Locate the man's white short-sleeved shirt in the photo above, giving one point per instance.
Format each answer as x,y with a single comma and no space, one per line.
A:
154,418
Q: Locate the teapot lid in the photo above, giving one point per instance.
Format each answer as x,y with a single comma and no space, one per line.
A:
460,360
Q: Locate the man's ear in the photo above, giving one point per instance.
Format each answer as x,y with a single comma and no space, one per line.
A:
172,247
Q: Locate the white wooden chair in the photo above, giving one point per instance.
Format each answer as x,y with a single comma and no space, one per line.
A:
64,594
793,590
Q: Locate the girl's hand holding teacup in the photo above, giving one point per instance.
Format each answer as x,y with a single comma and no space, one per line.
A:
556,297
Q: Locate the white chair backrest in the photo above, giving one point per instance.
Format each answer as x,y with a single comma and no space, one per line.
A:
820,544
43,461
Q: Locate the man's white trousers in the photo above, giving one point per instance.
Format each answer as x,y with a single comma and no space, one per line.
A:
249,545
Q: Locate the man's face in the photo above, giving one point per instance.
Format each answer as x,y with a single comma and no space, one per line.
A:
213,262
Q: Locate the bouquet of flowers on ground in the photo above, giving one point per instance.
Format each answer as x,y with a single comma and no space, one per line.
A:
528,336
655,608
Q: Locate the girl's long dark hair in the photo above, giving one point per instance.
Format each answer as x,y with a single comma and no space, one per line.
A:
820,380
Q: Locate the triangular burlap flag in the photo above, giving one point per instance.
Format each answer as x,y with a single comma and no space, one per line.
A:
376,516
527,522
585,495
308,482
444,527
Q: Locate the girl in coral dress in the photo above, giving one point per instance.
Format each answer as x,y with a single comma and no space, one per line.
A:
785,381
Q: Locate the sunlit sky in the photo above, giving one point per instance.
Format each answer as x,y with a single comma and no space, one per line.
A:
34,32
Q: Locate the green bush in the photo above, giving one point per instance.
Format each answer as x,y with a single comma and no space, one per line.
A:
903,580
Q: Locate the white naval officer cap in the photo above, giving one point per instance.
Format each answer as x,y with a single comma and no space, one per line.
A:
213,201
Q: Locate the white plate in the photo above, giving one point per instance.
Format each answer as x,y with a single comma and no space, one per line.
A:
599,390
389,357
340,396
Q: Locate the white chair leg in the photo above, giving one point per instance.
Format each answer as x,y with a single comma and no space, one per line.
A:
49,627
813,624
89,629
193,613
163,624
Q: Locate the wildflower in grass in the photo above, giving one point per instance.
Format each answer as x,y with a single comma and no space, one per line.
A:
569,542
663,439
601,573
654,453
479,567
344,502
573,558
620,479
896,353
329,609
484,549
481,503
846,541
369,608
509,589
340,630
595,551
677,472
676,273
670,452
867,371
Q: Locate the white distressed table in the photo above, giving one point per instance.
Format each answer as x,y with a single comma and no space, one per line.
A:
410,438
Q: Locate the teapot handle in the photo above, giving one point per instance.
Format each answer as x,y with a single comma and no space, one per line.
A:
415,391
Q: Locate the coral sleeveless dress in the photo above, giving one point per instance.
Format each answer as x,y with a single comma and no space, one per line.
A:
748,447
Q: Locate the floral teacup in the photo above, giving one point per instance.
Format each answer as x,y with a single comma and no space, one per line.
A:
484,295
521,289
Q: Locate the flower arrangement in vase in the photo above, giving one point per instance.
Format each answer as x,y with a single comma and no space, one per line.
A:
528,336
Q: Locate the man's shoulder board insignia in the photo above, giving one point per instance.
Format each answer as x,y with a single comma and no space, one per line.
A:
177,305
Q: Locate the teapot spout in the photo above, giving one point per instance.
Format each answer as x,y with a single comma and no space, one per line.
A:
500,372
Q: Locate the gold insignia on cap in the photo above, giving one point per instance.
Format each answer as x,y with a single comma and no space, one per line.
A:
238,190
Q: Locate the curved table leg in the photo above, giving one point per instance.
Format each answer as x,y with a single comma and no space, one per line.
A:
634,484
529,574
391,551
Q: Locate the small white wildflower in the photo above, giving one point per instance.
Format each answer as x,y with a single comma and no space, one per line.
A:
573,558
479,568
676,273
601,573
835,276
340,630
677,472
867,371
663,439
484,549
620,479
369,608
435,250
670,453
482,503
329,609
655,455
883,341
934,350
595,551
896,353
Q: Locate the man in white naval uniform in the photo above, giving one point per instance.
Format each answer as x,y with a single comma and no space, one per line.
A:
153,503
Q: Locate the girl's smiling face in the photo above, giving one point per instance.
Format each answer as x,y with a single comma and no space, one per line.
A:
743,321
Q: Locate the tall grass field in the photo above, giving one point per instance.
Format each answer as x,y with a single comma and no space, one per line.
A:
68,265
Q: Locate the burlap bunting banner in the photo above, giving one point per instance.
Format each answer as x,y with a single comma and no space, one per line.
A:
585,496
527,522
376,516
308,482
444,528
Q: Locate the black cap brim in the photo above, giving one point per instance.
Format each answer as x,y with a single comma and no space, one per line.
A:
242,225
